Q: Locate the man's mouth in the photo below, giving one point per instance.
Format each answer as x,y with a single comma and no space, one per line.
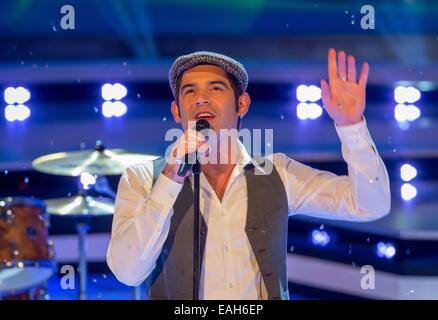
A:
204,115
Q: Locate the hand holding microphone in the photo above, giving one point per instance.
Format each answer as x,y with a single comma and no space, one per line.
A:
192,141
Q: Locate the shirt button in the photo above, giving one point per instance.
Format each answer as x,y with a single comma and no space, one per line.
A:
230,285
223,213
227,248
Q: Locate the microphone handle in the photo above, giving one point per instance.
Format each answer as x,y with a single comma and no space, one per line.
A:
184,167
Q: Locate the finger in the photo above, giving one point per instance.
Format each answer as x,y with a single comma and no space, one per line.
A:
184,148
192,146
191,132
332,68
194,136
198,134
363,79
342,66
204,148
325,93
351,69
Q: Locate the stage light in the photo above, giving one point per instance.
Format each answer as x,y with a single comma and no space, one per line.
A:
17,95
320,238
308,111
404,112
408,191
407,172
87,179
386,250
17,112
406,94
114,91
310,93
114,109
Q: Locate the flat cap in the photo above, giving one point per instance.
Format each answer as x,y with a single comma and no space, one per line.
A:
185,62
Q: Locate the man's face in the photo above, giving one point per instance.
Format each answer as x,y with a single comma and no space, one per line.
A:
206,93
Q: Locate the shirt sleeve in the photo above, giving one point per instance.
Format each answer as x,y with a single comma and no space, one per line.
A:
363,195
141,223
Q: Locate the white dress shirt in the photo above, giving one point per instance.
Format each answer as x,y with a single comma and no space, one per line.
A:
229,271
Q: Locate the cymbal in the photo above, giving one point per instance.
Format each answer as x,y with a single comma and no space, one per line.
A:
80,206
101,162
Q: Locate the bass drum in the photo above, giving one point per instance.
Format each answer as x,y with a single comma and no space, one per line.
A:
26,256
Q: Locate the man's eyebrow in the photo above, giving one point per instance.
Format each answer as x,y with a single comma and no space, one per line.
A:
219,82
186,86
191,84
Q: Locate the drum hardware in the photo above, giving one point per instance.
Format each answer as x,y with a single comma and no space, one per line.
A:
82,207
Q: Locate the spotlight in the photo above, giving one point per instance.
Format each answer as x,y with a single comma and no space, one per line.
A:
320,238
113,109
308,111
17,112
385,250
308,93
87,179
114,91
407,172
406,94
408,191
17,95
404,112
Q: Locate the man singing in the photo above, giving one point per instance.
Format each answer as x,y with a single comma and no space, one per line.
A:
243,214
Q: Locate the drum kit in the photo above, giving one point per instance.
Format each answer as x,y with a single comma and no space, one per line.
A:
26,255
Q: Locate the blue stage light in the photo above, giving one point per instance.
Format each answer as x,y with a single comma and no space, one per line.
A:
87,180
407,172
308,111
404,112
114,91
385,250
17,95
310,93
408,191
114,109
406,94
16,112
320,238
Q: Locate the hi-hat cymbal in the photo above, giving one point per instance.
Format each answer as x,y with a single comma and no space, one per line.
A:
101,162
80,206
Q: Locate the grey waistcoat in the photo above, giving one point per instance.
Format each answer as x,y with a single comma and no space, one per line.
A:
266,229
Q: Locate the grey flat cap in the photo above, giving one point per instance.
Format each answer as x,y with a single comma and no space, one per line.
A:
188,61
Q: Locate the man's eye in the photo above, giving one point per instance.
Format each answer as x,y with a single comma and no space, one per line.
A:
217,88
189,91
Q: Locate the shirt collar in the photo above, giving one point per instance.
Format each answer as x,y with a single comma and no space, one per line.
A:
245,161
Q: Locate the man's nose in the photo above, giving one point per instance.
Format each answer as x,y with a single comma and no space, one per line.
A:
202,100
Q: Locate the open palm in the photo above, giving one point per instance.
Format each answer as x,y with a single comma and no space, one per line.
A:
344,96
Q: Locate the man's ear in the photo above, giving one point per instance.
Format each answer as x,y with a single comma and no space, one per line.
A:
175,112
244,103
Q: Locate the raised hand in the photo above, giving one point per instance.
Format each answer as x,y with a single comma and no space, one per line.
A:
344,96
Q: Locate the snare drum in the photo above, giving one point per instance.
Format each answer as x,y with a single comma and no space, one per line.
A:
26,256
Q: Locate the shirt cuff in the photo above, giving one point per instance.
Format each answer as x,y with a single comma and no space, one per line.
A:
355,136
165,190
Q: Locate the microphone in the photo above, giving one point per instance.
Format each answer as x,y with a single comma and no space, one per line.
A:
200,125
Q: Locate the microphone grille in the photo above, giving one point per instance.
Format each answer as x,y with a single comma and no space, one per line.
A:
202,124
